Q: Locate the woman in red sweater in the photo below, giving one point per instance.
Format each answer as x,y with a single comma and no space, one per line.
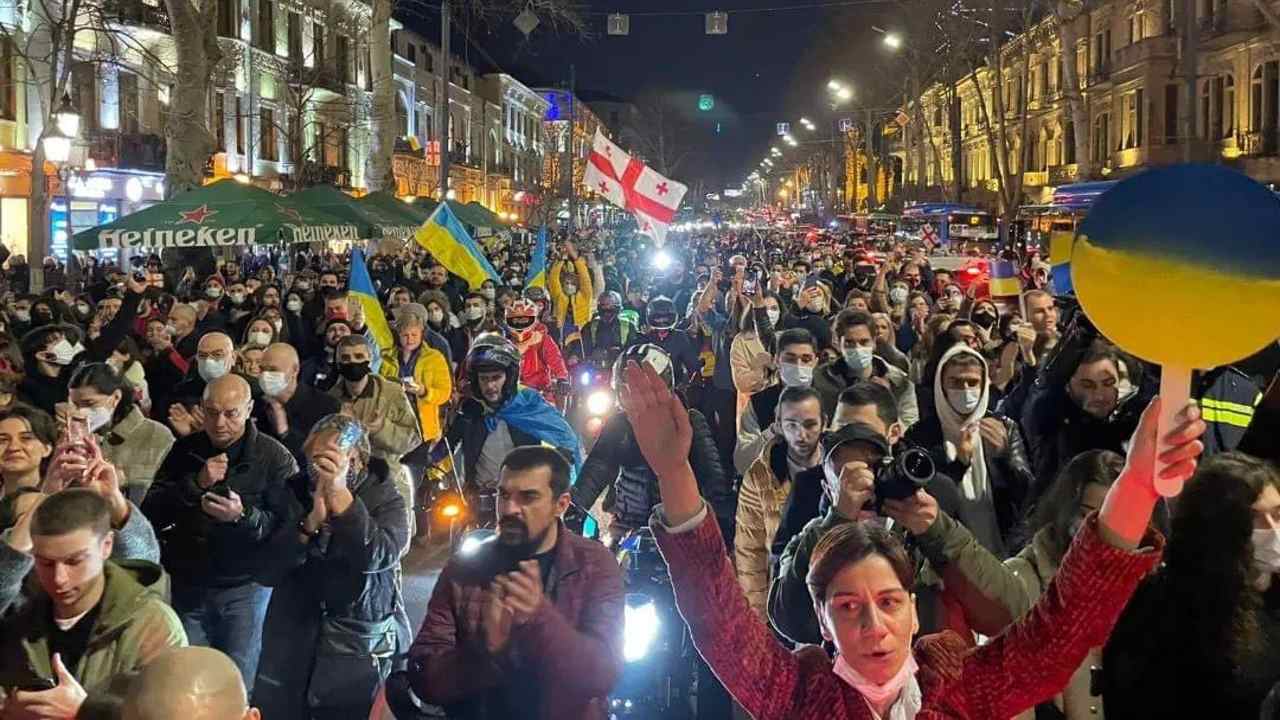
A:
859,580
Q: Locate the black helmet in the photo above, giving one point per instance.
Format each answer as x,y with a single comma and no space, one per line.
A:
610,297
492,351
537,293
660,313
653,355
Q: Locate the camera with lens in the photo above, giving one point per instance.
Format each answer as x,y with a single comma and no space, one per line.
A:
900,476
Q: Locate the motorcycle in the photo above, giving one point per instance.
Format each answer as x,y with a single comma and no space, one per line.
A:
660,667
451,508
592,399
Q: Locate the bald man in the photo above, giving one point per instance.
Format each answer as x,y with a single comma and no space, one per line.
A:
191,683
289,410
211,493
215,355
182,328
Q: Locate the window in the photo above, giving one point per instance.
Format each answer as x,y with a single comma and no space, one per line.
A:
295,38
1219,107
1101,138
317,46
84,94
220,121
411,53
268,148
1228,106
1131,120
266,25
1044,80
319,147
1140,111
1069,143
1171,114
428,60
1137,26
342,60
241,147
128,103
1169,14
8,89
229,18
1101,52
1255,100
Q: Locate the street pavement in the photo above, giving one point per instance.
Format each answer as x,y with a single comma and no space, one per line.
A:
421,568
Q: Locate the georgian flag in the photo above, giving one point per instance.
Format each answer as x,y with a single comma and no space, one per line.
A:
632,185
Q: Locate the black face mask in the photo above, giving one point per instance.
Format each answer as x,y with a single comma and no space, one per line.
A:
608,315
984,320
354,371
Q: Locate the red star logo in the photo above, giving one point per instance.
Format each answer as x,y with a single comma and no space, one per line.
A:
604,187
197,216
662,188
291,213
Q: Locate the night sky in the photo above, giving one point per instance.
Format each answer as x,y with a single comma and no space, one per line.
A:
772,66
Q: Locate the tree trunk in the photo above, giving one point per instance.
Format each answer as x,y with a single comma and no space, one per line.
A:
188,140
873,167
1079,113
378,169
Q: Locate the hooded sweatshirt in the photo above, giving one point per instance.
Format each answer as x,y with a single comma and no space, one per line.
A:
977,503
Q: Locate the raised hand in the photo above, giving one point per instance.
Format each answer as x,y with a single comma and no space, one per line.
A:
662,430
182,422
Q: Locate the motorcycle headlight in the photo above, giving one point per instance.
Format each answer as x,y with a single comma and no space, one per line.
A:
585,378
599,402
640,627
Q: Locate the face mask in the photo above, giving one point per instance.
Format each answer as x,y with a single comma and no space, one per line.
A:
213,292
354,371
99,417
474,313
82,308
62,351
435,316
294,305
898,295
513,282
794,375
1266,550
22,315
774,314
609,315
273,383
260,338
278,324
211,369
304,286
570,289
964,400
237,298
489,293
857,358
876,694
984,320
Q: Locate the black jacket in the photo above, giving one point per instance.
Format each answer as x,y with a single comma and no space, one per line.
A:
616,459
685,353
468,429
349,570
307,407
195,549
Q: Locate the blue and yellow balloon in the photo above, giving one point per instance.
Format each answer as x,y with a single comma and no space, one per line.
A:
1181,266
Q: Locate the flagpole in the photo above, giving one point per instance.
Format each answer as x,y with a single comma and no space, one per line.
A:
573,126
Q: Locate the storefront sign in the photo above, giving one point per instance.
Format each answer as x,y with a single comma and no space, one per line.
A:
184,237
321,233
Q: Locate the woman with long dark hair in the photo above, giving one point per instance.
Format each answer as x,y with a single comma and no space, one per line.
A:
1201,638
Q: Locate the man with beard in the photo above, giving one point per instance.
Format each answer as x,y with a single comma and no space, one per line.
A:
528,623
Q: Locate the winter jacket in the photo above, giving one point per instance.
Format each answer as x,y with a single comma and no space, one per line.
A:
686,360
349,571
616,460
832,378
1008,473
748,376
764,490
306,407
134,623
136,446
989,682
582,303
995,594
755,426
468,431
431,372
196,549
541,363
386,400
561,665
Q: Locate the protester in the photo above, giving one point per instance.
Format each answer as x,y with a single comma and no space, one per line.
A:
288,408
192,683
796,359
422,371
854,340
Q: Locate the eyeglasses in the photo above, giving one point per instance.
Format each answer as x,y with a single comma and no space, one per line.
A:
233,414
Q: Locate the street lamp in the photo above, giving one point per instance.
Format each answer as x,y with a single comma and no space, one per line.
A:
57,149
893,40
67,117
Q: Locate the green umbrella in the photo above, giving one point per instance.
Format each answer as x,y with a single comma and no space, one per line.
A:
484,215
223,213
372,220
416,212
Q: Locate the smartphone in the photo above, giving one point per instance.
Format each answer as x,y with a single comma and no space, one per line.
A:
139,276
221,489
38,685
77,430
749,287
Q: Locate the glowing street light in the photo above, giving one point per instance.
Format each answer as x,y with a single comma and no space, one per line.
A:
893,40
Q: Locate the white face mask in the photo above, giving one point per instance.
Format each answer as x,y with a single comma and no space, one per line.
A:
99,417
294,305
22,315
474,312
898,295
63,352
964,400
82,308
1266,550
435,316
211,369
213,291
795,375
488,292
273,383
857,358
260,338
237,298
773,313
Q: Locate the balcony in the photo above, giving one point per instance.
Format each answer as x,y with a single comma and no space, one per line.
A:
1213,24
325,78
1263,143
1152,48
1099,74
1059,174
137,14
1034,178
133,151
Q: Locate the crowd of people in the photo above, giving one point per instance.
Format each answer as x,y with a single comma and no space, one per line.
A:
881,491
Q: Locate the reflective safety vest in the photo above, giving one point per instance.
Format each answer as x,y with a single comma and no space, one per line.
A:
1227,398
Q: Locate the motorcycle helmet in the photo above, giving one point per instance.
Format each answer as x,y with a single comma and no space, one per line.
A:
653,355
521,319
539,297
660,313
608,305
492,351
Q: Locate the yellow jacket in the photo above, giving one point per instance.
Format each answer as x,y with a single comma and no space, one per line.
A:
432,373
581,302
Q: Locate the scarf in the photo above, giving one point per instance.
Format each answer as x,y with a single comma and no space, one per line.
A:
902,686
978,510
531,414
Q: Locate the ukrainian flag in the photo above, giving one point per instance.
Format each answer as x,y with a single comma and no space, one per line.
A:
361,288
447,240
537,276
1004,279
1060,245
